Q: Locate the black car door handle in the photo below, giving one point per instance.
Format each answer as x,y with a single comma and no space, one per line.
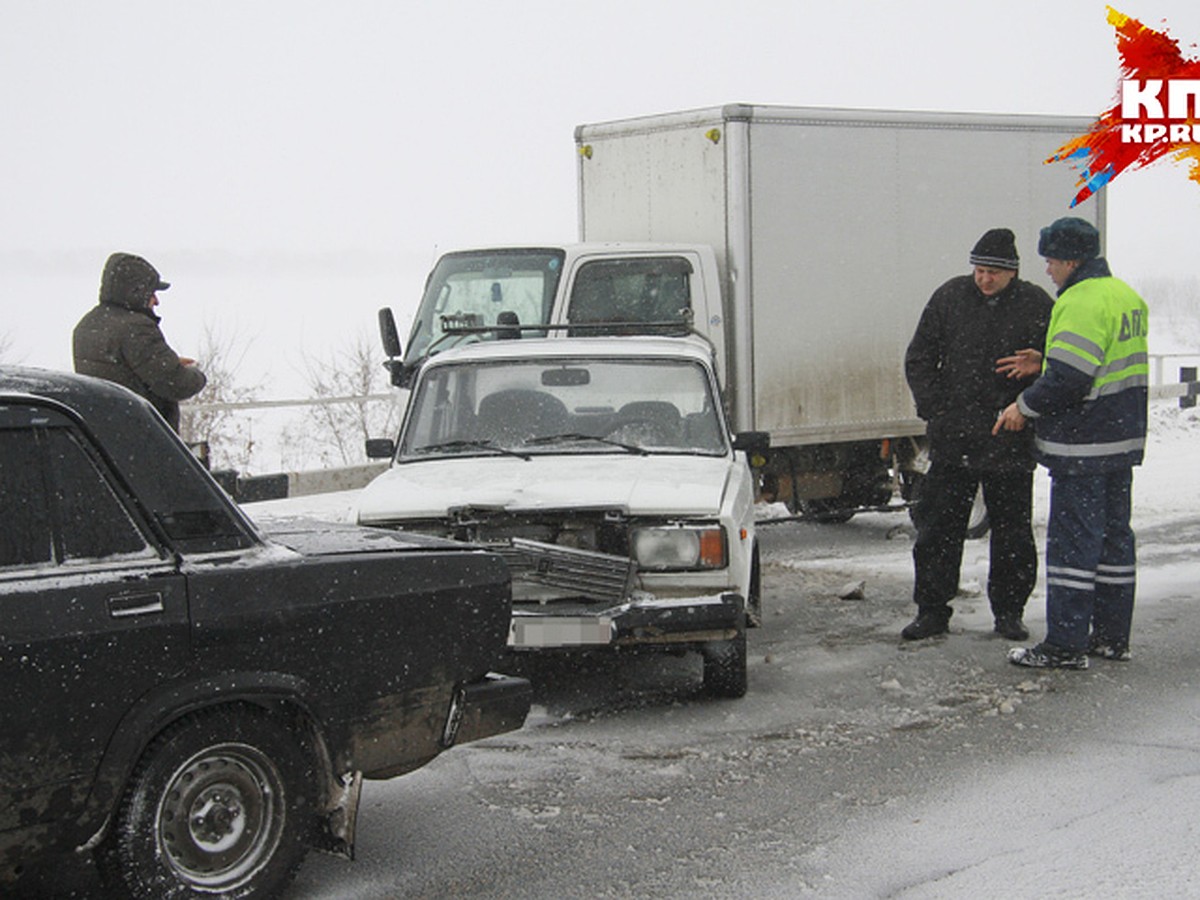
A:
134,605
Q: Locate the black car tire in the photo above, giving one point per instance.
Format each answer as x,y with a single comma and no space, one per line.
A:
725,666
754,611
221,805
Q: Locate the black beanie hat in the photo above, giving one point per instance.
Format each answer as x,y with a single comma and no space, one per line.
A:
997,249
1069,238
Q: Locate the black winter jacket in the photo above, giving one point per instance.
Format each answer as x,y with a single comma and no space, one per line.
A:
119,340
951,370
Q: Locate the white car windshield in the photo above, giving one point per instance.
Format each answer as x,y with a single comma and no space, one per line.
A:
643,406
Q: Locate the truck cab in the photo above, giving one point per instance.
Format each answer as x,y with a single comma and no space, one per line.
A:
626,288
497,292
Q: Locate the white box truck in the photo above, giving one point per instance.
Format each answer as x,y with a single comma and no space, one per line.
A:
803,242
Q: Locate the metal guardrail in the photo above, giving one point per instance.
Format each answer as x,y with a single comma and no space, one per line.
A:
247,489
1185,389
1186,392
281,404
1159,390
1158,363
278,485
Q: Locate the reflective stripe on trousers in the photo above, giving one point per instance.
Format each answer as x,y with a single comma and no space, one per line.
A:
1090,560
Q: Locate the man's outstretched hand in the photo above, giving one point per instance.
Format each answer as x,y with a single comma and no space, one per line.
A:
1022,364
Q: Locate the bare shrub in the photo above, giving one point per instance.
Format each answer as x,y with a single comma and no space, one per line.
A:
229,436
334,434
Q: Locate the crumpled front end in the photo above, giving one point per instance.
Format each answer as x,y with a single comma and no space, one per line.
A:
645,621
577,584
567,597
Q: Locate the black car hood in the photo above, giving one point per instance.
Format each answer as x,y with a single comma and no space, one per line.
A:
315,538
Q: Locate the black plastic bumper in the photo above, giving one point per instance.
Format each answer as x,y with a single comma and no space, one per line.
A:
497,704
688,620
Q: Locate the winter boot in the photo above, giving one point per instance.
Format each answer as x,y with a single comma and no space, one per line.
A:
1010,627
1047,656
929,622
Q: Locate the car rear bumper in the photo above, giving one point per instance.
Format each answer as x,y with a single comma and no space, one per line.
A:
679,620
491,706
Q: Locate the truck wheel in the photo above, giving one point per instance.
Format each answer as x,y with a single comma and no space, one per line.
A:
725,666
220,805
827,512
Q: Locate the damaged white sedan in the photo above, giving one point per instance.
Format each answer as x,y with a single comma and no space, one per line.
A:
604,471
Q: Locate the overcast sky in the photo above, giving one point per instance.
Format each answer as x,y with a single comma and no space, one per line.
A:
290,166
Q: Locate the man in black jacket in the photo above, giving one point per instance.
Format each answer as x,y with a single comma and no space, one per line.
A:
954,372
119,339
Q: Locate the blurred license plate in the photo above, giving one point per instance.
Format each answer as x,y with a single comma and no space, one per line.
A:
559,631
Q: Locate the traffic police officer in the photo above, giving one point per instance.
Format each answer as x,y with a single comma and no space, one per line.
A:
1088,410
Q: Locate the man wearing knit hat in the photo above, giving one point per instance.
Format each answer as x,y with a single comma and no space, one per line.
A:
1088,409
969,324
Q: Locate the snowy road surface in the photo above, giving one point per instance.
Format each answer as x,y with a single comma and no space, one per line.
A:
858,766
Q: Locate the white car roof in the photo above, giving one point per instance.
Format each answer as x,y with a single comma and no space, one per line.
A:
628,347
583,248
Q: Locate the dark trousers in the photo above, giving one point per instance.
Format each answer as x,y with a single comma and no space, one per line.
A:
1090,560
941,516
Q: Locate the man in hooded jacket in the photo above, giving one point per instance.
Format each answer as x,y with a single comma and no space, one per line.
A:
120,340
953,368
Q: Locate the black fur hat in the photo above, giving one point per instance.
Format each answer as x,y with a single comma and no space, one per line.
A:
1069,238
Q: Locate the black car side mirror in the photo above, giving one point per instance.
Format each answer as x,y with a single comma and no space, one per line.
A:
380,448
752,441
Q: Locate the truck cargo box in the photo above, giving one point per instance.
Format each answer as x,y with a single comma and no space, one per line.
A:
831,228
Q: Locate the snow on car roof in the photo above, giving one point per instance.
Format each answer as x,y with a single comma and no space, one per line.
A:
626,346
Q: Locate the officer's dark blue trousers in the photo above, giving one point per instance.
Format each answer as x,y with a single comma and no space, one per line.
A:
941,517
1090,560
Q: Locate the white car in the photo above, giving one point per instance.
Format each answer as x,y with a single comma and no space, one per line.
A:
604,471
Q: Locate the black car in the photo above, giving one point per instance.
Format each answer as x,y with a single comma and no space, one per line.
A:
192,700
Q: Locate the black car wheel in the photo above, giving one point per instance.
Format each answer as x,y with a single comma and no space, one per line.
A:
220,805
754,601
725,666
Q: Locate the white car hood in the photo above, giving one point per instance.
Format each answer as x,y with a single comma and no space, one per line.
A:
638,485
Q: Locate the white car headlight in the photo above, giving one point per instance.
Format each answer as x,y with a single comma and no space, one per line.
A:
680,548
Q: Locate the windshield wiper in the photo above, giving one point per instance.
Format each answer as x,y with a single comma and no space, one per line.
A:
470,445
580,436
